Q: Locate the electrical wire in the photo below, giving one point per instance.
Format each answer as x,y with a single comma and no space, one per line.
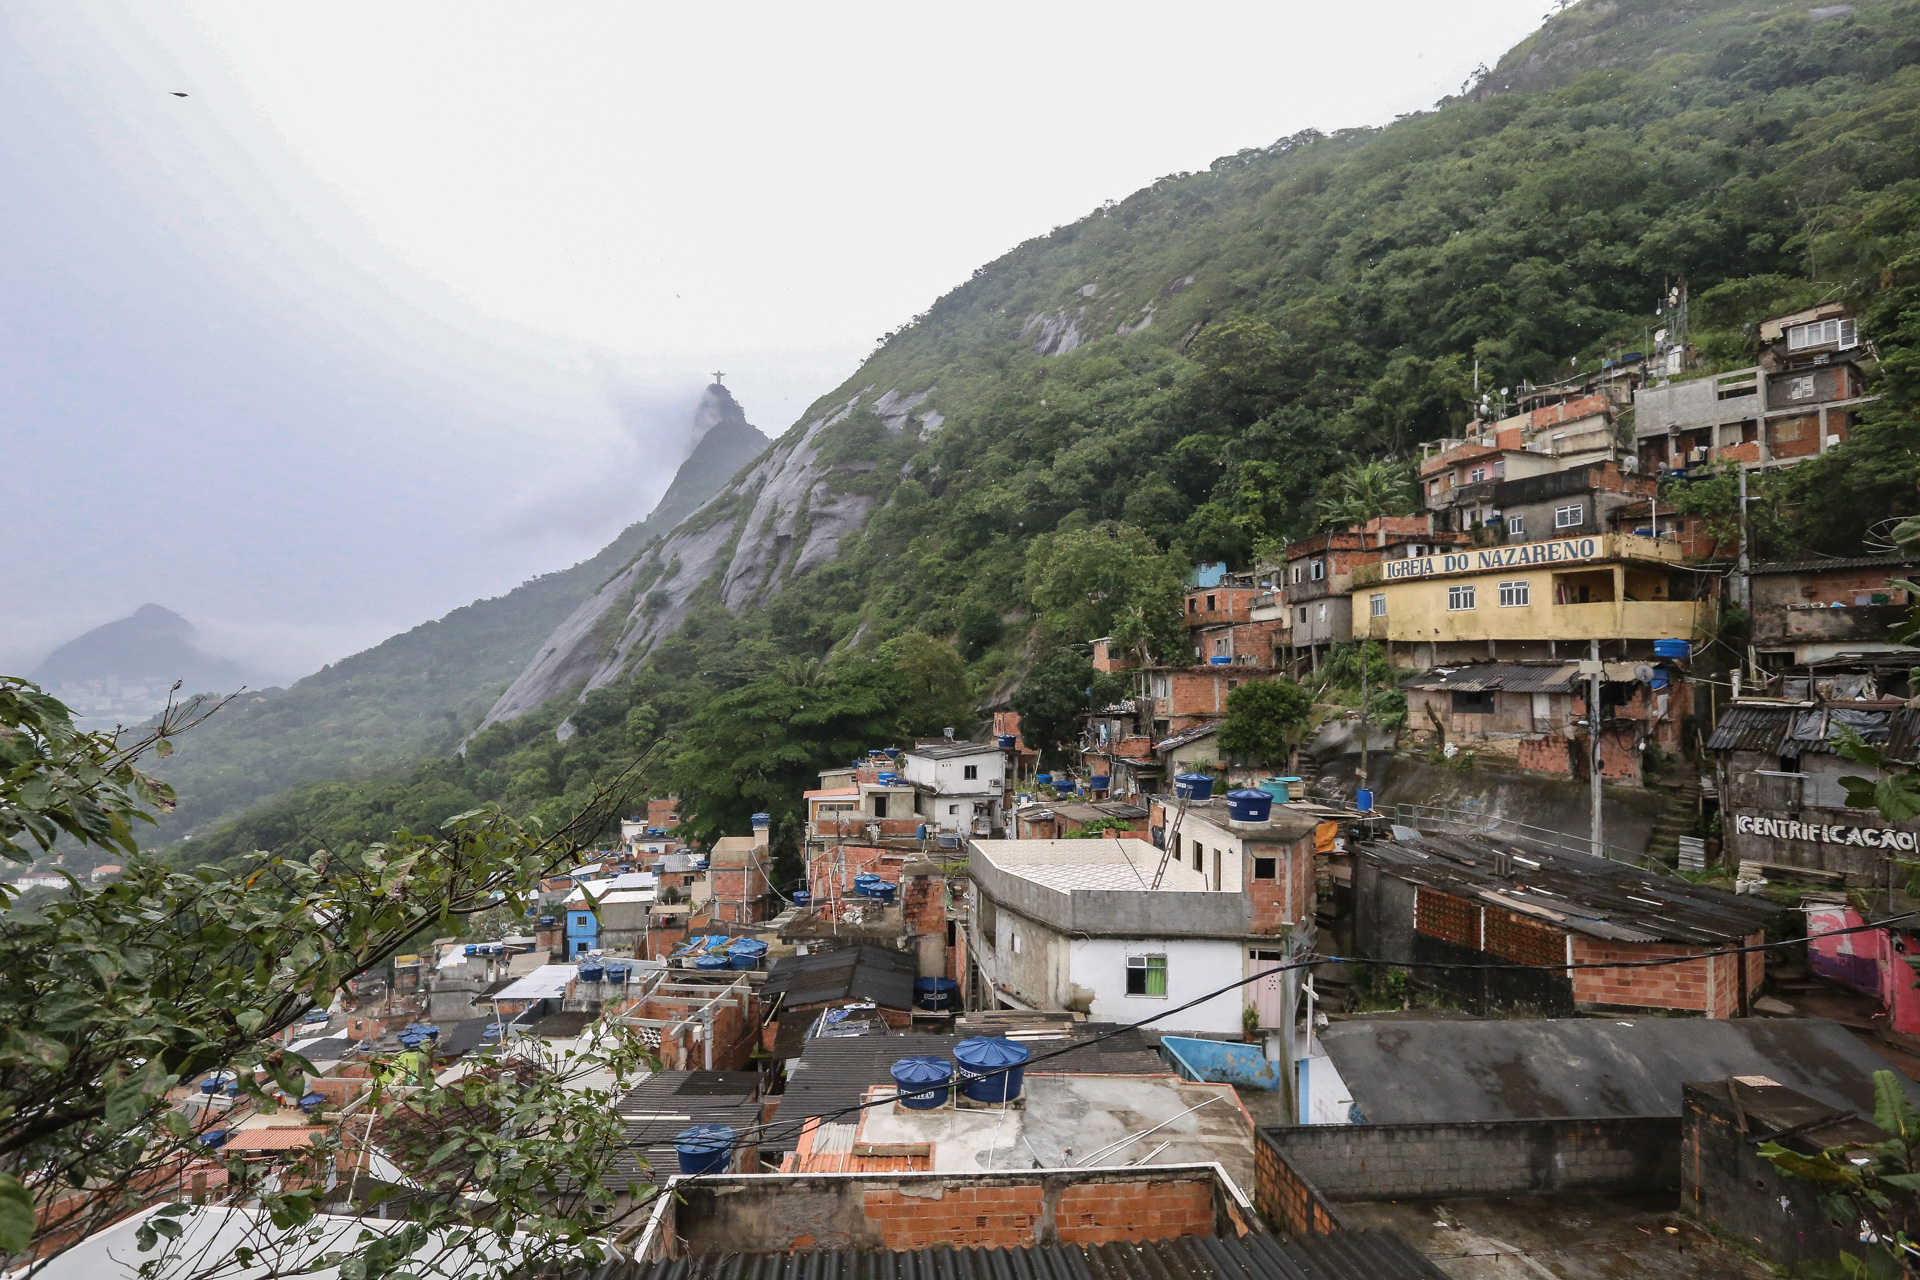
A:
768,1129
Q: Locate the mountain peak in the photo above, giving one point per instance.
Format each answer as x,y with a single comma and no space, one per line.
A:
717,405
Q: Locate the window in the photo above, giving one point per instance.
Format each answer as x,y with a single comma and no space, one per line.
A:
1478,474
1014,939
1460,597
1801,388
1199,858
1210,604
1318,570
1515,594
1840,333
1433,486
1146,975
879,806
1303,613
1516,526
953,808
1568,517
1377,605
953,932
1475,703
1263,868
1323,613
1193,604
1296,573
972,771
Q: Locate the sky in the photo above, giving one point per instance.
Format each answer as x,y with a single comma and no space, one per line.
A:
404,303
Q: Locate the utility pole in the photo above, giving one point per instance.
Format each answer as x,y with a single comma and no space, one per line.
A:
1740,584
1364,775
1594,669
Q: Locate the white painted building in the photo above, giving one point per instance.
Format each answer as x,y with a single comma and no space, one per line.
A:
1076,924
958,786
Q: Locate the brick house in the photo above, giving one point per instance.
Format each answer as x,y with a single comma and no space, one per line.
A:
1459,900
1809,611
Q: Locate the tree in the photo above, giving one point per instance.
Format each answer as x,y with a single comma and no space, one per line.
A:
1386,703
1108,579
755,749
1265,720
1869,1183
1053,698
933,682
120,992
1364,490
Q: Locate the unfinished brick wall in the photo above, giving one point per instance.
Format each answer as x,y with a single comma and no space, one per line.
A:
1288,898
1285,1198
959,1217
1103,1213
1710,987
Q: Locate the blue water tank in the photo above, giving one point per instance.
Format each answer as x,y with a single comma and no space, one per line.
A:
983,1054
591,971
747,953
1363,799
923,1082
1043,779
1193,786
1248,805
1007,740
705,1148
934,993
710,963
1672,649
1279,788
761,820
472,950
617,974
887,777
801,897
1220,660
1100,781
883,892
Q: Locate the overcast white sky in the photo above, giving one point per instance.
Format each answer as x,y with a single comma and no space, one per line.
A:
408,301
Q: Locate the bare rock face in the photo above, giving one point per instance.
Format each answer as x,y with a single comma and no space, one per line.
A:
780,519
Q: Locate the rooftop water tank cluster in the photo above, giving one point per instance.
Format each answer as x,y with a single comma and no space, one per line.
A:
990,1069
880,889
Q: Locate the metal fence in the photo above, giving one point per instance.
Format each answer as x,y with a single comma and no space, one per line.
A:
1433,818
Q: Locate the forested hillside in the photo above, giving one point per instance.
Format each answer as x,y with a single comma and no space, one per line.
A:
420,692
1194,371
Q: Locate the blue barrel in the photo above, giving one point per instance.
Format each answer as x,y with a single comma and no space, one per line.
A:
1006,741
1363,799
923,1082
617,974
1659,680
591,971
1672,649
1193,786
934,993
705,1148
1248,805
1043,779
801,897
982,1054
711,963
472,950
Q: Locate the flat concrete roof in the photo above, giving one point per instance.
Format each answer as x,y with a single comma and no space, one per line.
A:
1067,865
1067,1120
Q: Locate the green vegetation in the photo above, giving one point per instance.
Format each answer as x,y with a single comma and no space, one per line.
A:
1870,1183
1266,720
1297,319
1054,698
117,994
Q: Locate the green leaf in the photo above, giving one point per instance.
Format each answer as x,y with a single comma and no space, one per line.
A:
1896,797
16,1215
1891,1110
146,1237
1819,1168
164,747
126,1105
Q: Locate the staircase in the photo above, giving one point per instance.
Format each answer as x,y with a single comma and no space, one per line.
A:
1678,815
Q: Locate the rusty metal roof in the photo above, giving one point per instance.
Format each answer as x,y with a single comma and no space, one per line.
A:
1856,562
1816,730
1519,677
1349,1255
1750,728
1575,891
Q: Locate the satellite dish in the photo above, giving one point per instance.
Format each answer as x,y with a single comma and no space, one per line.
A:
1643,673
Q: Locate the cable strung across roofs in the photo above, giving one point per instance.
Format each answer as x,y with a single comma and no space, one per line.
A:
791,1128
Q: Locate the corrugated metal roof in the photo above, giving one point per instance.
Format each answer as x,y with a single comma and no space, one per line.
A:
1856,562
833,1074
1351,1255
1517,677
1405,1071
670,1101
1749,728
1576,891
1185,736
879,974
1797,731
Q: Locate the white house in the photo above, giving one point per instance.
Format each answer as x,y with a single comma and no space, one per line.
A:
1078,924
958,786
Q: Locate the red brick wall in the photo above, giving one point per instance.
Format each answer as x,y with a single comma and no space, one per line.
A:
1286,1199
963,1217
1544,755
1103,1213
1006,1217
1677,986
739,891
1293,872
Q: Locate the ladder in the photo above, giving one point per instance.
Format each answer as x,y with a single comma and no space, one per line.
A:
1170,840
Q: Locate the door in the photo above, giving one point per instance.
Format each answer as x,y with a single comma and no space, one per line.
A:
1268,995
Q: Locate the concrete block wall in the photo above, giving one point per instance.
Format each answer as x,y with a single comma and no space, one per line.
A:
1414,1161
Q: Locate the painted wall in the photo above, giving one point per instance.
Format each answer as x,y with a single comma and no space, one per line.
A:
1194,967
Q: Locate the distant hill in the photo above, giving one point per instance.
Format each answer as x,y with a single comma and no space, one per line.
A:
420,692
125,669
